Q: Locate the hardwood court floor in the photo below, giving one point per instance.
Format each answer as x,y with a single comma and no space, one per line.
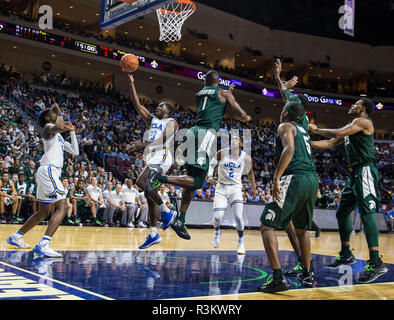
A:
201,257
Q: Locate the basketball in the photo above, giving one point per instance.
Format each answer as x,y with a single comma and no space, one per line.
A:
129,63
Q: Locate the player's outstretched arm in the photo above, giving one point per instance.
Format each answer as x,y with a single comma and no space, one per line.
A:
144,112
212,165
326,144
72,147
286,132
240,113
251,177
357,125
284,87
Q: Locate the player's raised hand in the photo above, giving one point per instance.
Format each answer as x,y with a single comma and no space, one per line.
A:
247,118
130,76
232,87
68,126
276,190
291,83
277,68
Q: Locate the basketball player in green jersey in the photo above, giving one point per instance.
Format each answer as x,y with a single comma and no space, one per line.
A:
287,97
211,107
361,189
294,193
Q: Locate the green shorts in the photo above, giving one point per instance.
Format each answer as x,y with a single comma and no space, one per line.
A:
361,190
199,146
299,193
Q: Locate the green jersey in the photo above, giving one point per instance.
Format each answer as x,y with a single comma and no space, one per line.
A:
302,159
80,194
6,188
359,149
210,110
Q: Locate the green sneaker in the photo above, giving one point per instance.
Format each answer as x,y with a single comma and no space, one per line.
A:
70,222
19,220
274,285
77,221
97,222
295,271
373,271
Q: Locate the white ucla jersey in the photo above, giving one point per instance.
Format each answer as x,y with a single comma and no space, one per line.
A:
53,151
230,170
157,127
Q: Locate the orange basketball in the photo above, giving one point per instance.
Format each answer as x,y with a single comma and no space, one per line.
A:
129,63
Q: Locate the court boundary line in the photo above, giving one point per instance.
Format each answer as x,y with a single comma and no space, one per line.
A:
57,281
292,290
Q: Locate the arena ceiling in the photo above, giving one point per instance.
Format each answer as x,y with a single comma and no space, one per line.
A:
373,25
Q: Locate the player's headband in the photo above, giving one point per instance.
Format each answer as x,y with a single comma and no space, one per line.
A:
292,112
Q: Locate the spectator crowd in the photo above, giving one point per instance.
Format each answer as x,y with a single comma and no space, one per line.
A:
100,182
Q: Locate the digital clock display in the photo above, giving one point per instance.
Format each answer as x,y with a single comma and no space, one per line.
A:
86,47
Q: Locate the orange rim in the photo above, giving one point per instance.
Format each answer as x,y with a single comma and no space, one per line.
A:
164,11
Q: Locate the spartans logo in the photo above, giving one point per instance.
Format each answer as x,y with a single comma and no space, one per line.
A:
270,215
372,205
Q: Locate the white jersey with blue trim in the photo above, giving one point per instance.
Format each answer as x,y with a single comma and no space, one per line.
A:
53,151
157,127
230,169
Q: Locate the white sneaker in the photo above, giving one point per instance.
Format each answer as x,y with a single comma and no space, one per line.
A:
17,241
216,239
47,251
130,225
241,247
141,224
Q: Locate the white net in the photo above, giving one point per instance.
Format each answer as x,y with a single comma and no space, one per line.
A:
171,18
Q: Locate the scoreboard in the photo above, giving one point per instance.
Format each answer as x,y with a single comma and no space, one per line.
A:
24,32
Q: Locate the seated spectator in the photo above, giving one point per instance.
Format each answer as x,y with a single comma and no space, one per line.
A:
96,202
116,207
389,217
80,201
199,195
143,209
9,199
132,203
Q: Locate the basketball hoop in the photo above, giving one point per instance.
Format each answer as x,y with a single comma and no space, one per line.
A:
172,17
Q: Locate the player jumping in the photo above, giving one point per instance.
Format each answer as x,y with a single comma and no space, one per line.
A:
211,106
160,146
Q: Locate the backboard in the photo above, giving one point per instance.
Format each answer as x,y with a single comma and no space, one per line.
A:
115,12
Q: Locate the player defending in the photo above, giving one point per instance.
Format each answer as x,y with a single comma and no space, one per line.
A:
211,106
232,164
287,97
361,189
50,191
160,146
294,192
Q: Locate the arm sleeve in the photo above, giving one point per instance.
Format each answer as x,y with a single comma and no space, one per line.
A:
73,146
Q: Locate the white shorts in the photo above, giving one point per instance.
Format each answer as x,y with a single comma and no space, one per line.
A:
225,194
160,158
49,187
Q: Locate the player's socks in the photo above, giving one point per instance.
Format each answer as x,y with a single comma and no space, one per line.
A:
182,216
345,250
374,257
19,233
44,241
277,273
153,232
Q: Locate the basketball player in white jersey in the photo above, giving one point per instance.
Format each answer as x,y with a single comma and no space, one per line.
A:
50,191
232,164
159,154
